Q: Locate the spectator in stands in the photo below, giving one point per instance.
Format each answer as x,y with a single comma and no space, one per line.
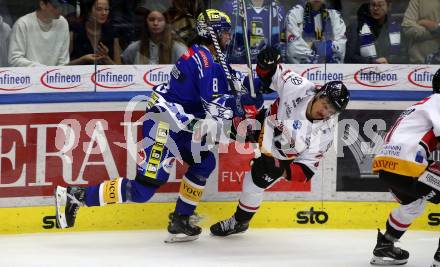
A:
93,40
5,30
376,36
156,45
315,34
123,18
421,26
182,17
40,37
265,20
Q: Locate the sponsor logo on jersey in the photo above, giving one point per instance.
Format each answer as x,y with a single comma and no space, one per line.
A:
56,79
111,78
375,78
420,77
318,74
11,81
391,150
385,164
204,58
157,76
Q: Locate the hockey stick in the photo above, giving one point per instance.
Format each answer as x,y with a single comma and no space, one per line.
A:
243,15
222,58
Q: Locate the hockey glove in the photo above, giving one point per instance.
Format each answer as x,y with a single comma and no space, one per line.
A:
265,171
267,62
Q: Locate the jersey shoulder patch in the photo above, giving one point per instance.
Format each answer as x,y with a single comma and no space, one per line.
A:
188,54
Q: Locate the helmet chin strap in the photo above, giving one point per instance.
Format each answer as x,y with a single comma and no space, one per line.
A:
309,108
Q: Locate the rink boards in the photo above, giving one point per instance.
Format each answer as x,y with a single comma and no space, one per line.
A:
316,215
75,143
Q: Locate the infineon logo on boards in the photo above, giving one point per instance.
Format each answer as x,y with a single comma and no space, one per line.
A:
375,78
58,79
13,81
157,76
319,75
113,78
421,77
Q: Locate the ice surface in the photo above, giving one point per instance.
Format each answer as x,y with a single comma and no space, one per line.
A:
257,247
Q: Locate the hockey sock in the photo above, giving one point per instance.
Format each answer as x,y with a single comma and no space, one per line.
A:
242,215
393,234
250,199
118,191
190,193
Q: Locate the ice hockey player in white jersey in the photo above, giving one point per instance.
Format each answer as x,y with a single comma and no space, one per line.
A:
297,130
408,167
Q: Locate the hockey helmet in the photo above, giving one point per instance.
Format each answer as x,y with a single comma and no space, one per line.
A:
218,20
337,93
436,82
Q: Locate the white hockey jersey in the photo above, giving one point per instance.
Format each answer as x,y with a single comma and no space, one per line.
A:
410,141
287,133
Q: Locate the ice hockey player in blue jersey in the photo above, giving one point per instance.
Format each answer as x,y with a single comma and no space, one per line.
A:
198,92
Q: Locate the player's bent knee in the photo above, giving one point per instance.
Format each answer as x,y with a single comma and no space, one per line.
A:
209,162
140,193
408,213
205,167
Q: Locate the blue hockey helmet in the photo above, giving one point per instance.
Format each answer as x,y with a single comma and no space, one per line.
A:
218,20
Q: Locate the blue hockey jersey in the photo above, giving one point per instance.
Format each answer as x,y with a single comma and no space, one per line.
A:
198,86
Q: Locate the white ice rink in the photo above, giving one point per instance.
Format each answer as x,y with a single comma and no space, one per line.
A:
268,248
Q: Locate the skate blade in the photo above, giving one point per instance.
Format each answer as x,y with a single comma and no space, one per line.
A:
60,200
237,233
175,238
435,264
385,261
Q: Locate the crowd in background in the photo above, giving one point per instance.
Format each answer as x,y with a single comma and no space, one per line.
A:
73,32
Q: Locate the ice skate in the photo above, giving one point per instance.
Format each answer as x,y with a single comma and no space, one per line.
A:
228,227
183,228
71,198
436,262
385,253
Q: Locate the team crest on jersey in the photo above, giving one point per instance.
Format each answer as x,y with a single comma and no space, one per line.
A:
296,124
